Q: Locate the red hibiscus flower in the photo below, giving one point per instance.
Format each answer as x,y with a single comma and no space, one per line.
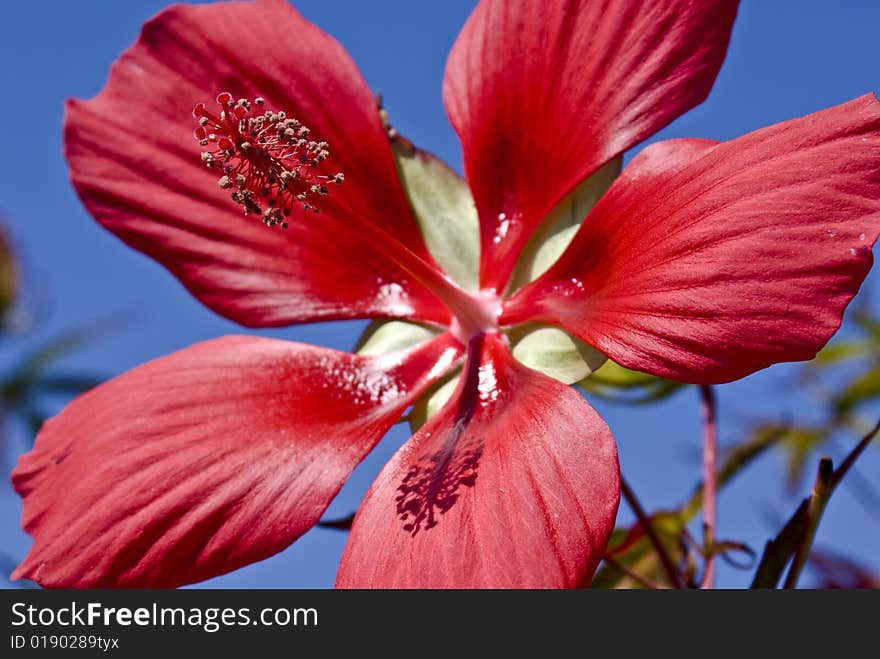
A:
701,262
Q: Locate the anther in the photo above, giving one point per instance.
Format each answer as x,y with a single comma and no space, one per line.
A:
265,157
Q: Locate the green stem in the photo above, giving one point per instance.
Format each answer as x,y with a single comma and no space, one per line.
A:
819,499
797,535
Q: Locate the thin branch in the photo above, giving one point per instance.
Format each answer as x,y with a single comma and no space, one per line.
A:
710,481
659,547
850,460
645,582
821,493
826,481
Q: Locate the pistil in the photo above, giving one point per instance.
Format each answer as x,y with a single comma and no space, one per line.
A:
272,166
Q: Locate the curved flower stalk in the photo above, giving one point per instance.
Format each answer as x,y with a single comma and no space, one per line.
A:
701,262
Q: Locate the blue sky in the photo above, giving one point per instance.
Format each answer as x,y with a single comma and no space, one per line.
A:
786,59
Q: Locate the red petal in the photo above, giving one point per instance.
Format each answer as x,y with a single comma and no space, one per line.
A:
704,264
206,460
543,93
513,484
137,168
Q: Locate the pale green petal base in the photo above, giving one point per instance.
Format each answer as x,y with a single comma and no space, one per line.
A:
556,232
543,348
384,336
444,210
554,352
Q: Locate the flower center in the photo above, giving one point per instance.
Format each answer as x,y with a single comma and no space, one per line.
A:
475,314
266,158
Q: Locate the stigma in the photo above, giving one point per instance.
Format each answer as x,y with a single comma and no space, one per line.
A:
270,162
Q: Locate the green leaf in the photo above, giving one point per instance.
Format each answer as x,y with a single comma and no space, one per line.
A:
618,384
866,323
556,232
797,442
554,352
841,351
863,388
613,374
444,210
384,336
